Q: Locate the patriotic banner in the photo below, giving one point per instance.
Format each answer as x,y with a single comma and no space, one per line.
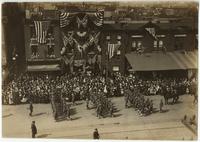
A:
78,63
66,39
64,19
92,60
96,18
98,21
152,32
68,60
111,49
41,28
82,22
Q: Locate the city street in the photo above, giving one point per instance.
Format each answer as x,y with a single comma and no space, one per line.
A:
126,124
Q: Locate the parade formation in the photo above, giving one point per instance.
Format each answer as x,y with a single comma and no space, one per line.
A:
62,91
111,64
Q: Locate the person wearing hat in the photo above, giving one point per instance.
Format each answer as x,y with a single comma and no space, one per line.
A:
96,134
33,129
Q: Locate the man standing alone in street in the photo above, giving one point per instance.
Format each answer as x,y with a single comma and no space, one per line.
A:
31,109
96,134
33,129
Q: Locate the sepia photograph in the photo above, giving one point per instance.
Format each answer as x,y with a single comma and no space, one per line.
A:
123,70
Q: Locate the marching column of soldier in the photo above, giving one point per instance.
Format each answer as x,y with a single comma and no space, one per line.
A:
136,100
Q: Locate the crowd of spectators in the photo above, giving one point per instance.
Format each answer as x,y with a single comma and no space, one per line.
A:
39,87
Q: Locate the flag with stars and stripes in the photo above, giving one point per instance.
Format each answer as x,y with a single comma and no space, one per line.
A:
41,28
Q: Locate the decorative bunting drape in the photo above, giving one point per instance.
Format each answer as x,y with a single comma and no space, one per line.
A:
67,40
68,59
96,18
152,32
98,21
92,60
82,22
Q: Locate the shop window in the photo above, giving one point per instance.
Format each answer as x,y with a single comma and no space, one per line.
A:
134,46
108,37
115,68
160,44
118,52
155,45
139,44
119,37
119,43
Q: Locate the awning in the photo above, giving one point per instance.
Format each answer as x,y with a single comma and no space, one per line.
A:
160,61
55,67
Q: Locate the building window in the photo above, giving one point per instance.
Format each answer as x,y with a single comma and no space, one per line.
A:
155,44
115,68
139,44
160,44
119,37
108,37
118,52
134,44
119,43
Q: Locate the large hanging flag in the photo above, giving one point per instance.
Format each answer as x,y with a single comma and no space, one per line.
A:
152,32
112,48
41,28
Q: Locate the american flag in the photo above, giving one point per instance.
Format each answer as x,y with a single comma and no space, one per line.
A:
41,28
111,50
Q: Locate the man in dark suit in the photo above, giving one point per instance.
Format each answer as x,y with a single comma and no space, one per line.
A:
33,129
96,134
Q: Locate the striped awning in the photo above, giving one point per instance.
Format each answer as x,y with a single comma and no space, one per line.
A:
163,61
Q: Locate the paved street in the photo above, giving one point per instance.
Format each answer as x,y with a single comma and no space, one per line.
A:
126,124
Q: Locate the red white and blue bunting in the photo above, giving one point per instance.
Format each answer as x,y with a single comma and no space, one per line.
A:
152,32
95,17
82,22
98,21
64,19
